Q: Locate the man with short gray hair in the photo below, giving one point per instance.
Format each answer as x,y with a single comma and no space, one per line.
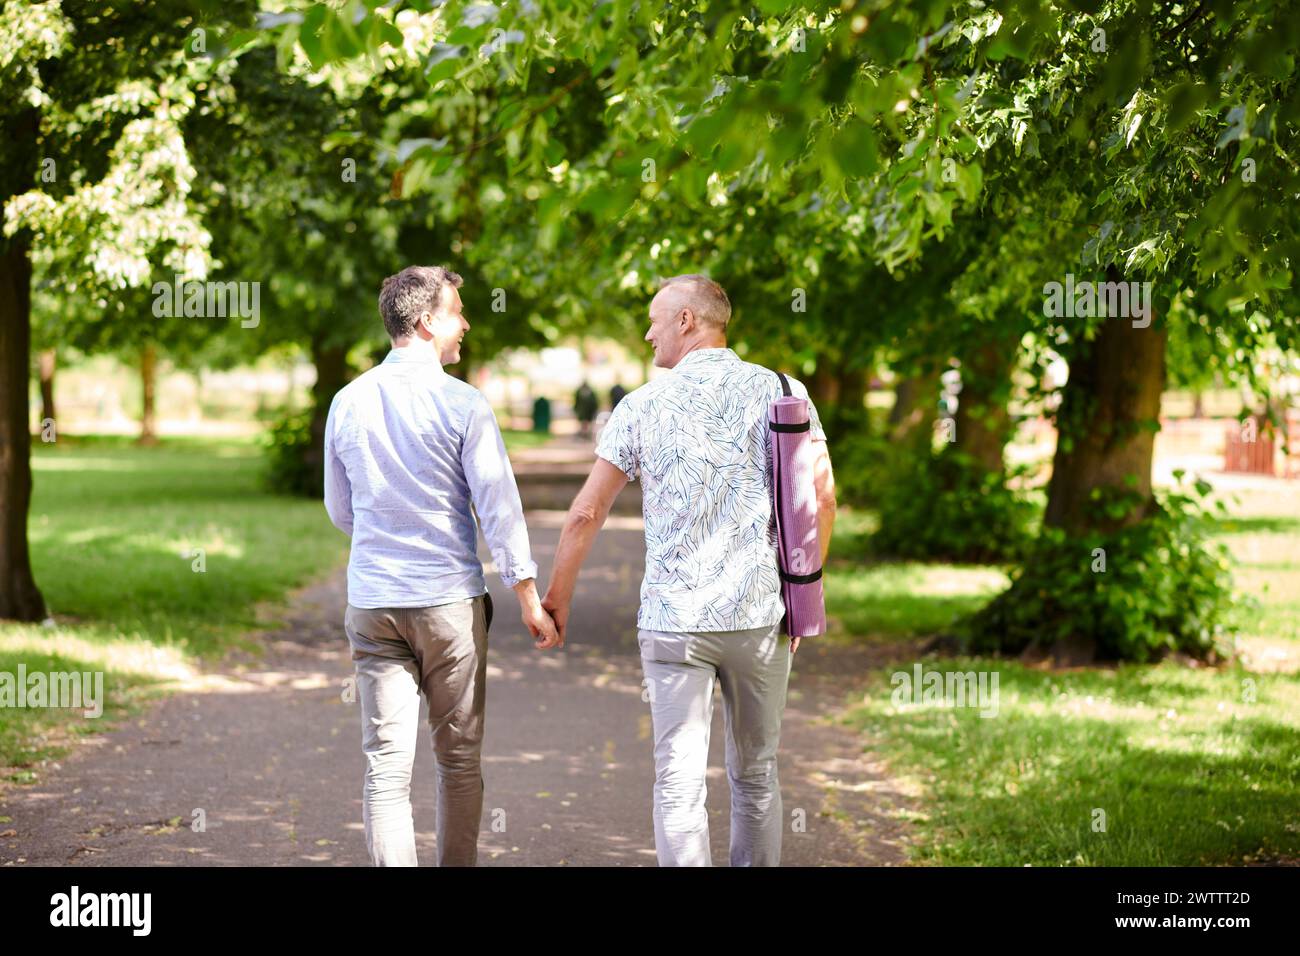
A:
711,606
708,300
408,450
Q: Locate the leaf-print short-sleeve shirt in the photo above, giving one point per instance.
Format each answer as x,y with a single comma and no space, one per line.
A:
698,439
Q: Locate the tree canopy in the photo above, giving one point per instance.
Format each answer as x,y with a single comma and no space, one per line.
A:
935,185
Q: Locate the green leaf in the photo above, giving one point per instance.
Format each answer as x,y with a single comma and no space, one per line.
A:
382,31
442,62
706,129
854,149
338,40
1185,100
554,152
409,147
1236,120
309,36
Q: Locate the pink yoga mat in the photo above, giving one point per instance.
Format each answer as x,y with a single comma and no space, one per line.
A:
795,504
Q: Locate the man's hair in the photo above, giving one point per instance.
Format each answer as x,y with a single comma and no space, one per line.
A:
413,290
704,297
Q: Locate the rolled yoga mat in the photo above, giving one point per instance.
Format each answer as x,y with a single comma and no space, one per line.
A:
798,546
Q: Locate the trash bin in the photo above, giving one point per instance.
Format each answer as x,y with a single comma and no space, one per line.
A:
542,415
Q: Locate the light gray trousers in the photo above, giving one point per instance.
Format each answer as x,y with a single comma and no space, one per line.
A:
399,654
753,667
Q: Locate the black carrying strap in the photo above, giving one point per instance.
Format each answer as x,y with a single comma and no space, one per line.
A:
777,426
776,480
800,578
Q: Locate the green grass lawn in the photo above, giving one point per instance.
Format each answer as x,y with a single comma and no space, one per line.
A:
884,601
1184,766
115,535
517,438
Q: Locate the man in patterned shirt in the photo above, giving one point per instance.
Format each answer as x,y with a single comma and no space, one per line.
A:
711,599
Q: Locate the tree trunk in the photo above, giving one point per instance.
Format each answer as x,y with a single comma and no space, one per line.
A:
331,363
148,375
839,395
47,363
851,413
824,385
1109,405
20,599
983,423
915,403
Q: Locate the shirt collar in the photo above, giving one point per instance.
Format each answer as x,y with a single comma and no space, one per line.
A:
409,353
706,357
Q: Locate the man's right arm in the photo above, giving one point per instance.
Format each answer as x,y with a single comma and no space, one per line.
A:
495,496
585,519
616,463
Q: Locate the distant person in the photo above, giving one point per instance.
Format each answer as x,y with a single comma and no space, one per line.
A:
409,450
616,395
711,605
585,406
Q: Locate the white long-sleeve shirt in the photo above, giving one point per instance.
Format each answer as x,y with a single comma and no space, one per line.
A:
408,449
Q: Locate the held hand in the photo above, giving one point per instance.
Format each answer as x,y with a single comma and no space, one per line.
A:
537,621
559,611
541,626
794,644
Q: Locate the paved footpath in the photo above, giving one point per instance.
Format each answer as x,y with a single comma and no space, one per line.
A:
270,752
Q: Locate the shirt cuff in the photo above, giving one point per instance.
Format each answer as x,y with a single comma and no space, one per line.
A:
520,571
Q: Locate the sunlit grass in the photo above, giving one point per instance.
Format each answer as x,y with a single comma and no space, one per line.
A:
134,670
1266,552
178,543
903,600
887,600
516,438
1185,767
150,560
1189,765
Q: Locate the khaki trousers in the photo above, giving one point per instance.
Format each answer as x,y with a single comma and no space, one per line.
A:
401,653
